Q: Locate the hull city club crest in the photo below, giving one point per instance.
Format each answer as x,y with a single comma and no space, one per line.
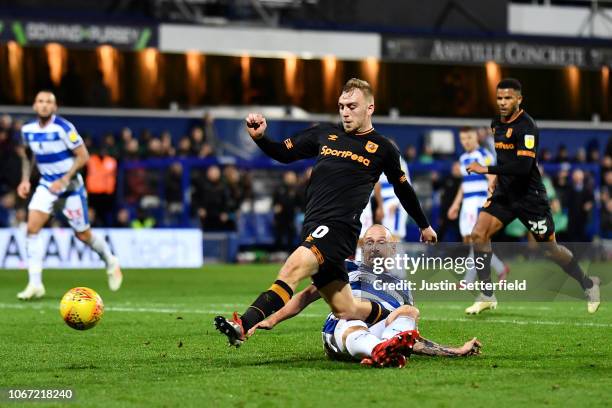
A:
371,147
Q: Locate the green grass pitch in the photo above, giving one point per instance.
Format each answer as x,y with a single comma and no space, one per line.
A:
156,347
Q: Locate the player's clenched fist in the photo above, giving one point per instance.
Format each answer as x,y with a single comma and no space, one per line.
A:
429,235
23,189
256,125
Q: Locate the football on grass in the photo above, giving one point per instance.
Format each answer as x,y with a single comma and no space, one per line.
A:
81,308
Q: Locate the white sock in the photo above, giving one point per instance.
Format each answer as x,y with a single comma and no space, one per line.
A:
400,324
34,250
470,274
100,247
497,264
361,343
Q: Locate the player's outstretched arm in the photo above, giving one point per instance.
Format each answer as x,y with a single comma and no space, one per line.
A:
295,305
492,180
379,215
290,150
23,189
426,347
453,210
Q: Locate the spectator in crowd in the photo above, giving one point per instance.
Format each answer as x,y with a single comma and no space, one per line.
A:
546,156
581,156
143,219
101,184
94,221
410,154
21,218
6,122
125,135
579,206
211,201
594,156
609,147
136,184
426,156
123,218
606,220
184,147
110,144
174,192
89,142
7,209
286,203
167,147
606,163
561,184
606,185
155,149
562,155
10,165
235,192
143,139
197,140
131,150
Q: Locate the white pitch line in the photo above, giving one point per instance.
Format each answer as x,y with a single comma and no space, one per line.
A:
321,316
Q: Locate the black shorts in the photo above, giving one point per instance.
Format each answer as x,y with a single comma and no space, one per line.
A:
332,243
533,211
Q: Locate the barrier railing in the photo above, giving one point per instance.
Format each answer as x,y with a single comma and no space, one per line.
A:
416,170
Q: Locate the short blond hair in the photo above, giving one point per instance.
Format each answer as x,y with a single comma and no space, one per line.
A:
363,86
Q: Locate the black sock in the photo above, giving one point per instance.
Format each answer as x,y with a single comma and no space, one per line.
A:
267,303
574,270
377,313
483,259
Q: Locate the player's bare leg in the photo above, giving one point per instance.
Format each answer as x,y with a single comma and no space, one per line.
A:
567,261
301,264
486,226
35,253
344,305
99,246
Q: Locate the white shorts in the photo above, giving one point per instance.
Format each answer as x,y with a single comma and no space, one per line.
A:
333,331
72,204
470,207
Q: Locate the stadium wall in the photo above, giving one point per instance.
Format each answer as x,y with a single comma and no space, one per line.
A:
144,248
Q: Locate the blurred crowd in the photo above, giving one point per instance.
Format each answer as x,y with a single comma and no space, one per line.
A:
146,197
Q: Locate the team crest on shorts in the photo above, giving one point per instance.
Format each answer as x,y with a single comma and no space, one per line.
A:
371,147
529,141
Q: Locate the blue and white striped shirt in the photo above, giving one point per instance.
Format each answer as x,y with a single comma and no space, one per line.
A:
475,185
52,147
363,283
